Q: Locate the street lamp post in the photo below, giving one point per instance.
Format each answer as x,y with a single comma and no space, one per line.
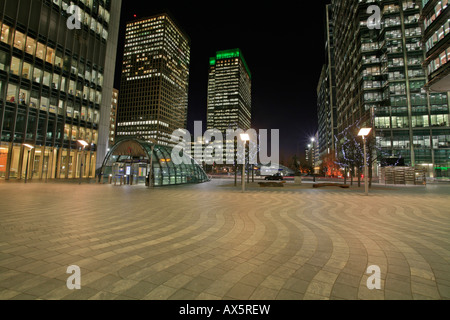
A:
313,158
150,176
244,137
28,160
364,132
83,144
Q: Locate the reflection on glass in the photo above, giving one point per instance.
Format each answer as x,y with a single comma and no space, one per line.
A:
31,46
6,34
63,83
72,87
40,52
24,96
4,60
37,75
44,103
58,59
11,93
74,133
55,82
26,70
50,55
63,164
19,40
69,111
14,169
46,80
61,107
3,159
15,66
82,133
34,99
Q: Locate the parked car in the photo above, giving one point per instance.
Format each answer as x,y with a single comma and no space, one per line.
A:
276,176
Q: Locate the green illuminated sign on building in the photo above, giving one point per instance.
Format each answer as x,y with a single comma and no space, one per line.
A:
230,54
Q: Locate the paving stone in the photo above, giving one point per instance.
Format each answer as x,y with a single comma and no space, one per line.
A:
139,291
6,294
425,290
160,293
210,241
394,284
103,282
198,284
240,292
263,293
444,291
46,287
85,293
219,288
319,288
252,279
23,296
366,294
395,295
183,294
349,279
288,295
344,291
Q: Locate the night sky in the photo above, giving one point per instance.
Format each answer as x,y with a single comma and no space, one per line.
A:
282,42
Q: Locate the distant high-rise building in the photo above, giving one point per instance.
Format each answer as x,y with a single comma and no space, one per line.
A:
326,93
380,83
113,117
229,92
435,23
57,63
313,154
153,97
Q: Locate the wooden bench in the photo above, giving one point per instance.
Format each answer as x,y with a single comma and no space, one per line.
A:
320,185
276,184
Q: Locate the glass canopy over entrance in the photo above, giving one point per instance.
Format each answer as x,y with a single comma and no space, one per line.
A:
130,160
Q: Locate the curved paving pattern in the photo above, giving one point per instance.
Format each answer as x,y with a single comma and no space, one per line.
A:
212,242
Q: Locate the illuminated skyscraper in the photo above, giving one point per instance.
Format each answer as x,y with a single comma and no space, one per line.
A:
326,92
56,84
229,92
381,82
113,117
436,25
153,97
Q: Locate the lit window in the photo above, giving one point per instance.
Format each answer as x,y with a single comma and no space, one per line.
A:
19,40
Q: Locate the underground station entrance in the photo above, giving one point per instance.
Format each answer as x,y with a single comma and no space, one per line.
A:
137,162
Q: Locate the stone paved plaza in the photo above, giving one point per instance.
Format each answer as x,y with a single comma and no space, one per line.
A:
211,241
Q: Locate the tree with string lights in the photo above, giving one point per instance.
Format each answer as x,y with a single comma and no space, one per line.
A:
350,152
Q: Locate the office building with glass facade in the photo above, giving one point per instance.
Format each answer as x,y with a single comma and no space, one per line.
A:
229,92
153,97
326,93
55,86
435,22
380,83
113,117
229,104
